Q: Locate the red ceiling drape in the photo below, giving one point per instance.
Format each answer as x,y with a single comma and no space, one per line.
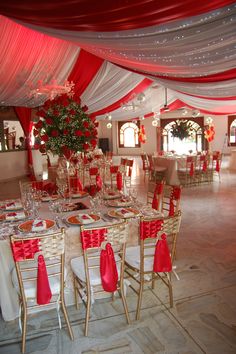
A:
105,15
24,116
84,70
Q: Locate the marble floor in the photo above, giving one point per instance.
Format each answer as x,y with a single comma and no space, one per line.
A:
203,319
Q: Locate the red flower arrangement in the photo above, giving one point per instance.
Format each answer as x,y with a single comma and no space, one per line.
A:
64,127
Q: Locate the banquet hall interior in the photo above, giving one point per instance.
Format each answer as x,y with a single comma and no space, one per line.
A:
118,163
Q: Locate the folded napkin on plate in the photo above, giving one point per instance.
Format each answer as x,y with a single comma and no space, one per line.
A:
85,218
13,205
15,216
126,213
39,225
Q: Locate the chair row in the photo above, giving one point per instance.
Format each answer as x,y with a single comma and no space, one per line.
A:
39,273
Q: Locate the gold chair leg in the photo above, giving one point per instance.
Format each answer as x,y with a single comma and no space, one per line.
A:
139,300
67,319
153,280
24,329
75,292
124,302
87,312
170,290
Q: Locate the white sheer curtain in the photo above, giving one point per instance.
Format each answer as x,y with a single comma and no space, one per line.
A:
109,85
28,57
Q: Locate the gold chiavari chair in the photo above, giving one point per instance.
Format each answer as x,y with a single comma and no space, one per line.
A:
128,172
26,253
155,190
86,268
139,260
171,200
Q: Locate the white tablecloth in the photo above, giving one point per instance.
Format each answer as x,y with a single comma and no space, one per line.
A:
172,166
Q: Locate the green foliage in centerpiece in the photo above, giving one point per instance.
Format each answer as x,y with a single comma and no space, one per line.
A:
64,127
182,129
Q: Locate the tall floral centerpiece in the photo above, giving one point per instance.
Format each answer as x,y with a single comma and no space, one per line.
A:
182,129
64,127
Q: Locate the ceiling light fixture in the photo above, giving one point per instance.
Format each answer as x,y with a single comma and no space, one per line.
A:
53,89
166,107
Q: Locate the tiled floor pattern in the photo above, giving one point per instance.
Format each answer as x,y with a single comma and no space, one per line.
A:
203,319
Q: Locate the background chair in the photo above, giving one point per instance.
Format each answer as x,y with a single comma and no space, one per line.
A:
186,174
24,277
171,200
86,268
139,259
128,172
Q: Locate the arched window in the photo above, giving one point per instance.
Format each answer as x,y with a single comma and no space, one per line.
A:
195,142
128,134
232,130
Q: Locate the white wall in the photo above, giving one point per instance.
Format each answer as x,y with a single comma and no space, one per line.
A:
13,164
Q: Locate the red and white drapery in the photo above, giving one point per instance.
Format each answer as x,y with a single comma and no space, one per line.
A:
186,46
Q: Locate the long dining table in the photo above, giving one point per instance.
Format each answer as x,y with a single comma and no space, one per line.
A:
9,302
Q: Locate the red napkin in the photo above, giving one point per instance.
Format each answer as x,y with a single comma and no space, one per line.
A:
155,202
119,181
99,182
11,214
44,293
108,270
162,260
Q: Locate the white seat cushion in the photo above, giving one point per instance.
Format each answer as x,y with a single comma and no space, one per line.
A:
132,258
77,266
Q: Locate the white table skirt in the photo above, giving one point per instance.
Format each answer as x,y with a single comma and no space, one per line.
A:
172,166
8,296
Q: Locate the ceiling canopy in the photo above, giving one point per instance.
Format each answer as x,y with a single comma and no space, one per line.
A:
112,52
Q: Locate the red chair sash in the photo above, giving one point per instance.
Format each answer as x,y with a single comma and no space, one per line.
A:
176,193
155,202
44,293
159,188
191,172
217,166
119,182
93,171
149,229
204,166
25,250
108,270
37,185
171,208
114,169
92,238
162,259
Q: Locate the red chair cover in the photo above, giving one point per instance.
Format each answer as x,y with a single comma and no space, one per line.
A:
176,193
162,260
44,293
171,208
159,188
191,172
155,202
149,229
217,166
204,166
93,171
119,181
99,182
114,169
108,270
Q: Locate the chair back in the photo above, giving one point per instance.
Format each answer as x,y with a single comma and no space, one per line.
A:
93,240
129,165
10,140
171,200
151,229
155,190
25,252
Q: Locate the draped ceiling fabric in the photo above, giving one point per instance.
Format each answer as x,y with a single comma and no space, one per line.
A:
189,47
